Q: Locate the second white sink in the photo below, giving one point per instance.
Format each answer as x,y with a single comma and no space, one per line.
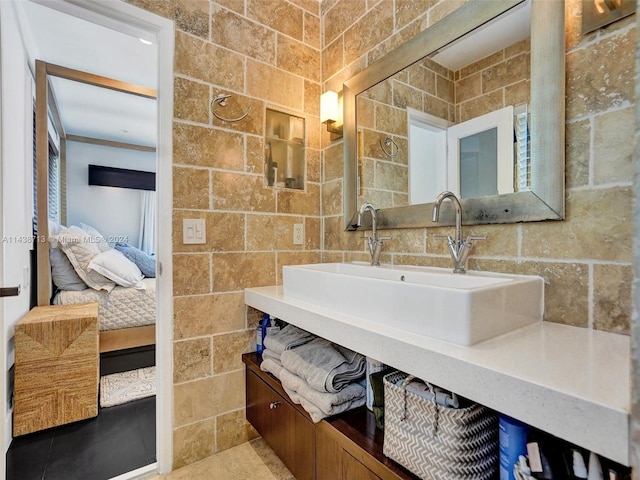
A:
460,308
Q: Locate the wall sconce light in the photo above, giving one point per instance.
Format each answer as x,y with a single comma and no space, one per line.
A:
331,113
600,13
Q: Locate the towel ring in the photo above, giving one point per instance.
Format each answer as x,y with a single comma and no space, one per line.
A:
221,99
388,142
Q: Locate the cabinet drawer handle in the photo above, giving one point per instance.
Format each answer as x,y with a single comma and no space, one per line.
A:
274,405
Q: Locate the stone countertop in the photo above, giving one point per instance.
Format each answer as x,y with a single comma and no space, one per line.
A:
571,382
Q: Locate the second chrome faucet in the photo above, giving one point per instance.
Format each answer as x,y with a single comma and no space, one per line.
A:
458,248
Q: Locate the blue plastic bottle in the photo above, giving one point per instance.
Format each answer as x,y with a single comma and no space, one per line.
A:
513,443
261,332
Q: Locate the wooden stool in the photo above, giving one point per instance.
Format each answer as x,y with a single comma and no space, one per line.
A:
57,367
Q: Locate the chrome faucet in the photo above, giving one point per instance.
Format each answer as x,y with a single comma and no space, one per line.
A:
375,242
458,248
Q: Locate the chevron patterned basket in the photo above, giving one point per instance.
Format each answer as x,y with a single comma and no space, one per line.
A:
436,442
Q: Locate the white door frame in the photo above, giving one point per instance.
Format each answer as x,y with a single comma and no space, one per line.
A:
3,341
120,16
435,160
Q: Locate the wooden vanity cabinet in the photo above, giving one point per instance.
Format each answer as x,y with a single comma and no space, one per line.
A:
285,426
349,447
333,461
343,447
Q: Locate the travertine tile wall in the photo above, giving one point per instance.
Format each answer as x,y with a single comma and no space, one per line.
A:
267,54
273,52
586,260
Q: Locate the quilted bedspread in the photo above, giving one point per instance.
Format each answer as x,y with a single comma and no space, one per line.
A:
121,308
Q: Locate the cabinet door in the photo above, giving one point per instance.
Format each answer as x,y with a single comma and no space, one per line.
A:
288,433
352,469
334,462
328,454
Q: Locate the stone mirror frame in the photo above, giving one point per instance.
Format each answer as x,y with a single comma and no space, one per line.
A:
545,201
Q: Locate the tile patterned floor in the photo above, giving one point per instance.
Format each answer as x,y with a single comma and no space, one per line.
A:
249,461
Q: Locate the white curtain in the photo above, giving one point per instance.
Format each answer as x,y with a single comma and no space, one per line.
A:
147,237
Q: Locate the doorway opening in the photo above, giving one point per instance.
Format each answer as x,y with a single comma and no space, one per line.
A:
123,17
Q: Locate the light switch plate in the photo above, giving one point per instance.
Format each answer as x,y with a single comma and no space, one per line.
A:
194,231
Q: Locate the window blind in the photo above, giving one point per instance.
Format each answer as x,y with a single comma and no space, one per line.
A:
55,191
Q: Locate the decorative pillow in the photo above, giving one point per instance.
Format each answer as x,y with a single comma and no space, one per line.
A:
145,262
115,266
62,272
96,237
80,250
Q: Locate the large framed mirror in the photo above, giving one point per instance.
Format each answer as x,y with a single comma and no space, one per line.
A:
542,197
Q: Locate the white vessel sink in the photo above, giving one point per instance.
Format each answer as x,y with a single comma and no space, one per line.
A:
459,308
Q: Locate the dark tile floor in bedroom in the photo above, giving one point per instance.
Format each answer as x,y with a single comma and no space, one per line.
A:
120,439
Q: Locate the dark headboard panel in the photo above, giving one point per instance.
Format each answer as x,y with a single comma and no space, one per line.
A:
121,177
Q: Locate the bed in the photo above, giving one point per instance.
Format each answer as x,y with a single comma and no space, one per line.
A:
126,315
84,268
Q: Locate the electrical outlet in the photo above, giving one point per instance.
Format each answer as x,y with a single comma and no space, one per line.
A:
298,233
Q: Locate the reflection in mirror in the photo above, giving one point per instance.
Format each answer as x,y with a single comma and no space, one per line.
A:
481,155
451,89
424,104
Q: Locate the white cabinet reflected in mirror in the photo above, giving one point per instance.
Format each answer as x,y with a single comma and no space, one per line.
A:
481,154
487,155
284,150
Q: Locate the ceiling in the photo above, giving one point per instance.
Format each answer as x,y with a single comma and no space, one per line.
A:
507,29
86,110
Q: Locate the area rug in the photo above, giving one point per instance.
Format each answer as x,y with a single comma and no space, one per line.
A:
119,388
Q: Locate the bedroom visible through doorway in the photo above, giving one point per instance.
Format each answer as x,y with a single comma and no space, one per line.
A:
139,347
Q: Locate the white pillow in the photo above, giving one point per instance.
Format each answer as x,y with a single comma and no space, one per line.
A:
80,250
63,274
96,237
115,266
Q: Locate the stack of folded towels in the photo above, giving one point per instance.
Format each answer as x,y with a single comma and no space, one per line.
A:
324,378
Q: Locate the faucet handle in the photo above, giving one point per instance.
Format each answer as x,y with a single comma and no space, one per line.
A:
384,239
